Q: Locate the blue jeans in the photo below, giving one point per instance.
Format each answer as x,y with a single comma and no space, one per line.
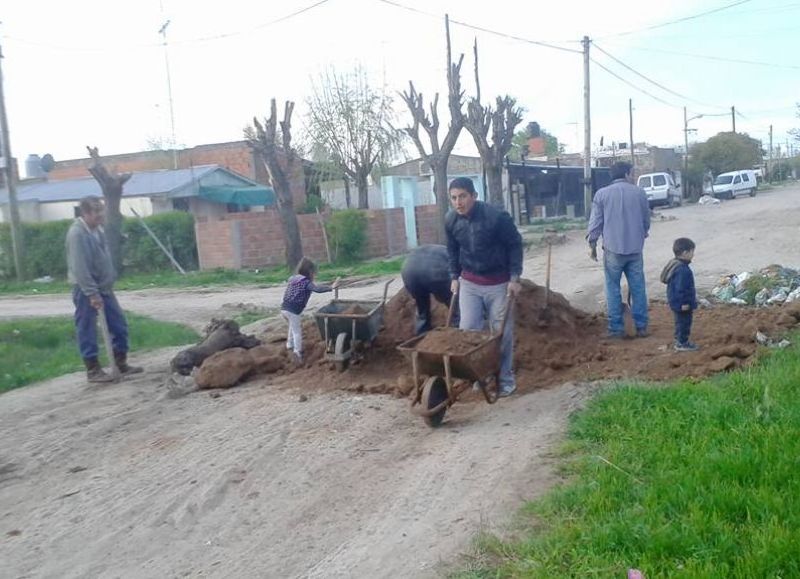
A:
476,303
632,266
86,324
683,327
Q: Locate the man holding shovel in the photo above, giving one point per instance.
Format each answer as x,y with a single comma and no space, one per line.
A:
621,216
91,273
485,251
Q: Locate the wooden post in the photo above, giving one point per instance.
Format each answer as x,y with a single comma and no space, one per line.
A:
324,235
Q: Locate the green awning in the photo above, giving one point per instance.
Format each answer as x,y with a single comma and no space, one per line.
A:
244,195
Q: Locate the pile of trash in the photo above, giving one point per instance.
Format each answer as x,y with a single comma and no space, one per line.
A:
772,285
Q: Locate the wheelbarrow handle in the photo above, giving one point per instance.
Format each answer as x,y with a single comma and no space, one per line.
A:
451,310
386,290
509,307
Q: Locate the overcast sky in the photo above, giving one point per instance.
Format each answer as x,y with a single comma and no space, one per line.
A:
93,71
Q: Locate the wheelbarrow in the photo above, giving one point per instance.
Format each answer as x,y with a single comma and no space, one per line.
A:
347,326
450,374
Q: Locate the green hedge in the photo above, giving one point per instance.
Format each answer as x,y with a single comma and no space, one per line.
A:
347,235
175,230
45,253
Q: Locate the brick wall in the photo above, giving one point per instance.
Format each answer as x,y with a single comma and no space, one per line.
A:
236,156
245,240
427,224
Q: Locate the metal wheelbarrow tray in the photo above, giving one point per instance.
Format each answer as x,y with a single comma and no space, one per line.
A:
344,332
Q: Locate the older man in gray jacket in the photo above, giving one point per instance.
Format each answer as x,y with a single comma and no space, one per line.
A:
91,273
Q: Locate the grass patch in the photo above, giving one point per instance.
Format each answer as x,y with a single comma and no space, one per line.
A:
218,277
36,349
693,480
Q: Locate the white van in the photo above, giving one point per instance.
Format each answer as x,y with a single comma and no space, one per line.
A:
729,185
660,189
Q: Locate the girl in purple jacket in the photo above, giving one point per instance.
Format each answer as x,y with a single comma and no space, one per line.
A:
295,299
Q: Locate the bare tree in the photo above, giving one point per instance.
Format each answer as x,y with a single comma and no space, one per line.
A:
501,121
279,161
439,153
352,121
111,183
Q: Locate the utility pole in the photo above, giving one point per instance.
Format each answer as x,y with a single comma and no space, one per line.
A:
769,164
685,176
733,118
587,134
163,32
11,181
630,112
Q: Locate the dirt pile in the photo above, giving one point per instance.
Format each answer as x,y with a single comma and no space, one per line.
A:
228,367
556,343
354,310
451,341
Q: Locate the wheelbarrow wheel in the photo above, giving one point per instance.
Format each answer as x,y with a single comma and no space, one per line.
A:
434,392
342,346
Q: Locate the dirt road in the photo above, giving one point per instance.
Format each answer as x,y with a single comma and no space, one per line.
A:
120,482
123,482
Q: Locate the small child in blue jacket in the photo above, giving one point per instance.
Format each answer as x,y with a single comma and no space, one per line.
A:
295,299
681,292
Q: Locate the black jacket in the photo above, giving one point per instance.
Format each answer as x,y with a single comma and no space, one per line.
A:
486,242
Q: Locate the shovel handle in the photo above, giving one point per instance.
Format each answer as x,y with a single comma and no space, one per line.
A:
451,309
509,307
112,362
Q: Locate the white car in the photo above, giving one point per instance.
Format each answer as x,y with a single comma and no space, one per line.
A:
729,185
660,189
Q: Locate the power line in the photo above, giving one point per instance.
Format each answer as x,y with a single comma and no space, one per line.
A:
630,84
679,20
651,81
220,36
487,30
716,58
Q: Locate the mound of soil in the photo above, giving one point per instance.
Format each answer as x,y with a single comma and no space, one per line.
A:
354,310
451,341
556,343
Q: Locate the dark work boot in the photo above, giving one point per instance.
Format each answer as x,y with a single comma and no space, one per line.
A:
121,359
95,373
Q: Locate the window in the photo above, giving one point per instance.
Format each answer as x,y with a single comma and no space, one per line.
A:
659,180
737,180
644,182
180,204
745,178
723,180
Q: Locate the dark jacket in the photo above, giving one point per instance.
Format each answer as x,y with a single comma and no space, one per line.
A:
680,285
426,269
486,242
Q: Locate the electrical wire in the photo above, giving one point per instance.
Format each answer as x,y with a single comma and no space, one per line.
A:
630,84
651,81
486,30
715,58
173,42
679,20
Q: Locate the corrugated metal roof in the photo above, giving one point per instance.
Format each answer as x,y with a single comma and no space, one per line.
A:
141,184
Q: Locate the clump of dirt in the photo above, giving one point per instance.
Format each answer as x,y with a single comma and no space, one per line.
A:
556,343
451,341
354,310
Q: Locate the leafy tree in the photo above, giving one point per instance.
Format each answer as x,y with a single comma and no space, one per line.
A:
552,148
727,152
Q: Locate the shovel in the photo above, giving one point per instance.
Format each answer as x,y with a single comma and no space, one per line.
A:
544,315
112,363
627,317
